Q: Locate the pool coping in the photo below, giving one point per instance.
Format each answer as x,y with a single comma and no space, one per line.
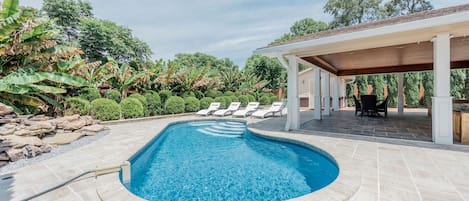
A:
344,187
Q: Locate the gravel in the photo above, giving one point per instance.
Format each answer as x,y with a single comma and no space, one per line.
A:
54,152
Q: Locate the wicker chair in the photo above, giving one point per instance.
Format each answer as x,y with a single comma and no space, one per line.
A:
383,107
358,105
368,104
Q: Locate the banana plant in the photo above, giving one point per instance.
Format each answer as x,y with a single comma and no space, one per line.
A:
125,77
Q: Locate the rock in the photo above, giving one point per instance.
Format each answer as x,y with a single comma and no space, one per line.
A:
94,128
5,110
46,148
2,163
19,142
15,154
63,121
40,118
36,128
4,157
75,125
7,131
31,151
88,119
62,138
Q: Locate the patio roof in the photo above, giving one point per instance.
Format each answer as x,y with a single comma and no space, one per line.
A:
399,44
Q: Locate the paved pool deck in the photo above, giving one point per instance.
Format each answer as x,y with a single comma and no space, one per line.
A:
372,168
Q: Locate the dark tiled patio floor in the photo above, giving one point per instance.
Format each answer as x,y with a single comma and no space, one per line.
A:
411,126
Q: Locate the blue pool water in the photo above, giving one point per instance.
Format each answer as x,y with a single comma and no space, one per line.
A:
222,160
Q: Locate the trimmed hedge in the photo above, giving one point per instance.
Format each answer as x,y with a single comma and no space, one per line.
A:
113,95
205,102
192,104
251,98
143,101
213,93
234,99
105,109
188,94
223,101
76,105
89,94
153,102
199,95
229,93
265,100
274,98
244,100
131,108
174,105
164,95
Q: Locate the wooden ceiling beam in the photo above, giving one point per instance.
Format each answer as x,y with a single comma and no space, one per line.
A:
321,63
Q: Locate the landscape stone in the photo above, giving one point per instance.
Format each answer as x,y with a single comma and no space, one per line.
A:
6,131
5,109
19,142
40,118
31,151
63,121
15,154
4,157
94,128
62,138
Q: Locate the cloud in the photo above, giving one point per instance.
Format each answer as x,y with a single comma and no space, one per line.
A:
226,28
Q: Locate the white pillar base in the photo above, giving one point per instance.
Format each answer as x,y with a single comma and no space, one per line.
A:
442,120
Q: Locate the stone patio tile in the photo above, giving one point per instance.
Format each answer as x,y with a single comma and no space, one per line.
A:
396,194
400,183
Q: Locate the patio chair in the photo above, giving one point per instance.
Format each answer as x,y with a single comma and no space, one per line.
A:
358,105
211,109
276,107
234,106
250,108
368,104
383,107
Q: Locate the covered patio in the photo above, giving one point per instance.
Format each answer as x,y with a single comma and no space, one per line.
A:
433,40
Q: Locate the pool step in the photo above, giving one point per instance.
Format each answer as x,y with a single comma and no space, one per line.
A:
228,128
224,131
207,132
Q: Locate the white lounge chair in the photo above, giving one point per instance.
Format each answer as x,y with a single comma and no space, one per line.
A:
211,109
234,106
276,107
250,108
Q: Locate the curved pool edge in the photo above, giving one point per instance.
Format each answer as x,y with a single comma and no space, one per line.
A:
342,188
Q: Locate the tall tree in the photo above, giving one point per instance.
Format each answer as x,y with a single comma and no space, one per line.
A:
101,38
403,7
412,89
67,14
466,85
391,82
268,69
377,81
201,60
303,27
350,12
457,83
427,82
362,85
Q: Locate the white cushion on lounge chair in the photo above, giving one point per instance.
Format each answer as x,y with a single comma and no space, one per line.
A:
250,108
212,108
276,107
234,106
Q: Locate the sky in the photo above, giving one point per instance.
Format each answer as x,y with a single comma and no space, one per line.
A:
223,28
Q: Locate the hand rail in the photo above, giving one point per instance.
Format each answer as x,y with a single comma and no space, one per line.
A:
125,167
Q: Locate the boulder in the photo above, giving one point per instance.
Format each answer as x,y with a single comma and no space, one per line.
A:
75,125
37,128
62,138
5,109
63,121
31,151
40,118
7,131
4,157
15,154
19,142
46,148
2,163
88,119
93,128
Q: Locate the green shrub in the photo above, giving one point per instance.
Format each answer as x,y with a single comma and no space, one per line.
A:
244,100
192,104
143,101
227,100
251,98
229,93
274,98
213,93
164,95
113,95
199,95
105,109
188,94
154,102
132,108
76,105
237,94
222,100
265,100
234,99
89,94
174,105
205,102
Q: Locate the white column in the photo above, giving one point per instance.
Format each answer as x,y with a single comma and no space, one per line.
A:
311,93
293,115
317,94
327,94
400,93
442,102
335,93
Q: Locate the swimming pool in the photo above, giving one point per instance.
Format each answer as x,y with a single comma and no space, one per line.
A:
222,160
